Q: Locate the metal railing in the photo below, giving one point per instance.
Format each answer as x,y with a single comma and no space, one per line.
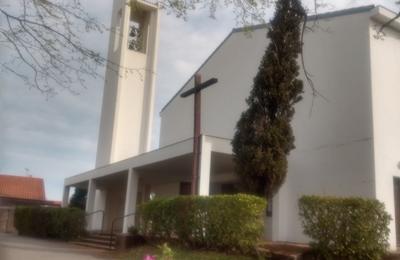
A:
112,226
96,212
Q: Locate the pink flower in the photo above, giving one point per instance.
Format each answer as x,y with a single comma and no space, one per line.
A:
149,257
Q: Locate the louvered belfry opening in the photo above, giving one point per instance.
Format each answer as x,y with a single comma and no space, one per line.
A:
138,29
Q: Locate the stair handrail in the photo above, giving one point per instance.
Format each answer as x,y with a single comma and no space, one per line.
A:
113,222
95,212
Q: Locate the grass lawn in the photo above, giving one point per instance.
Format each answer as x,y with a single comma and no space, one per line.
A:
179,253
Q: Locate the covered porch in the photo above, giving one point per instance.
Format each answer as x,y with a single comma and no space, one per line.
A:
115,191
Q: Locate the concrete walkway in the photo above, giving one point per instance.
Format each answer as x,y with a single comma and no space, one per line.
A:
13,247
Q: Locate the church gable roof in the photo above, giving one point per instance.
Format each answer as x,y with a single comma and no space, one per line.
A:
350,11
328,15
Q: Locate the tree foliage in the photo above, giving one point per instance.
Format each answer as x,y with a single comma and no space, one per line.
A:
46,222
78,199
346,228
264,136
226,222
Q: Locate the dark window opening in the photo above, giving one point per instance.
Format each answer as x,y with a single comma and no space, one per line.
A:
138,30
185,188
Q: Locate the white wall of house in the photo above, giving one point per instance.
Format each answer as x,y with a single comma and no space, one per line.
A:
385,67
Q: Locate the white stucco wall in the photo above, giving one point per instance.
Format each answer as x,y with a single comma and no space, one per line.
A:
334,154
114,206
128,99
223,102
385,66
334,151
107,118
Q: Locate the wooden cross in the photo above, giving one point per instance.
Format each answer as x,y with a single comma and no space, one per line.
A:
198,87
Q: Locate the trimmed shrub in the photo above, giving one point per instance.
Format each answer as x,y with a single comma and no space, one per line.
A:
231,222
43,222
345,228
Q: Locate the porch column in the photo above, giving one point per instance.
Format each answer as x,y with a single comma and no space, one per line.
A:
91,195
99,204
130,199
205,167
65,199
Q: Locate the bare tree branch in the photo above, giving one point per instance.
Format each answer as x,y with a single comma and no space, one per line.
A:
44,44
381,32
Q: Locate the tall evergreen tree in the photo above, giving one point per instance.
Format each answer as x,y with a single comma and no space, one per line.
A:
78,199
264,136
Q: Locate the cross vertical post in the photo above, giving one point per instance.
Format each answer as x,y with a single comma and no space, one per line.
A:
198,87
196,135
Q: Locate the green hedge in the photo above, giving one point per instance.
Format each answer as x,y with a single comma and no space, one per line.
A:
345,228
232,222
60,223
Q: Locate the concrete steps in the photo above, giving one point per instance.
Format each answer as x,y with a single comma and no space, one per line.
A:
97,240
282,250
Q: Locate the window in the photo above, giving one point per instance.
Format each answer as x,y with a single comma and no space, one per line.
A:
185,188
229,188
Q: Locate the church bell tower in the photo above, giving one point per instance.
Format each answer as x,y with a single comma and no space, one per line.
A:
128,97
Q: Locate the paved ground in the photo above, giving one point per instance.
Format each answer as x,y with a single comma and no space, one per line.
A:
13,247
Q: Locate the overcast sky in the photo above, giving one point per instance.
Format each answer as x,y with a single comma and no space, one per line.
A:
57,137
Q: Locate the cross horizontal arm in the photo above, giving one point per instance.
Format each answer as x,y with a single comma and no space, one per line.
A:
199,87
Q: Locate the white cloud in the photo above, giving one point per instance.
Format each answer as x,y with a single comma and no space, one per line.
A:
183,67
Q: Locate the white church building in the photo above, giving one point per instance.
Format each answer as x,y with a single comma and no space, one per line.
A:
347,144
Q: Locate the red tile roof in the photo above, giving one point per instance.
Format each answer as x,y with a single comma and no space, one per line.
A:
20,187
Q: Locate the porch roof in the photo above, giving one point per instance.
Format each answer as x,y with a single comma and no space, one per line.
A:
153,160
164,153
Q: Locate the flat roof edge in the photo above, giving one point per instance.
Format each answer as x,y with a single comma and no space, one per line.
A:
384,15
